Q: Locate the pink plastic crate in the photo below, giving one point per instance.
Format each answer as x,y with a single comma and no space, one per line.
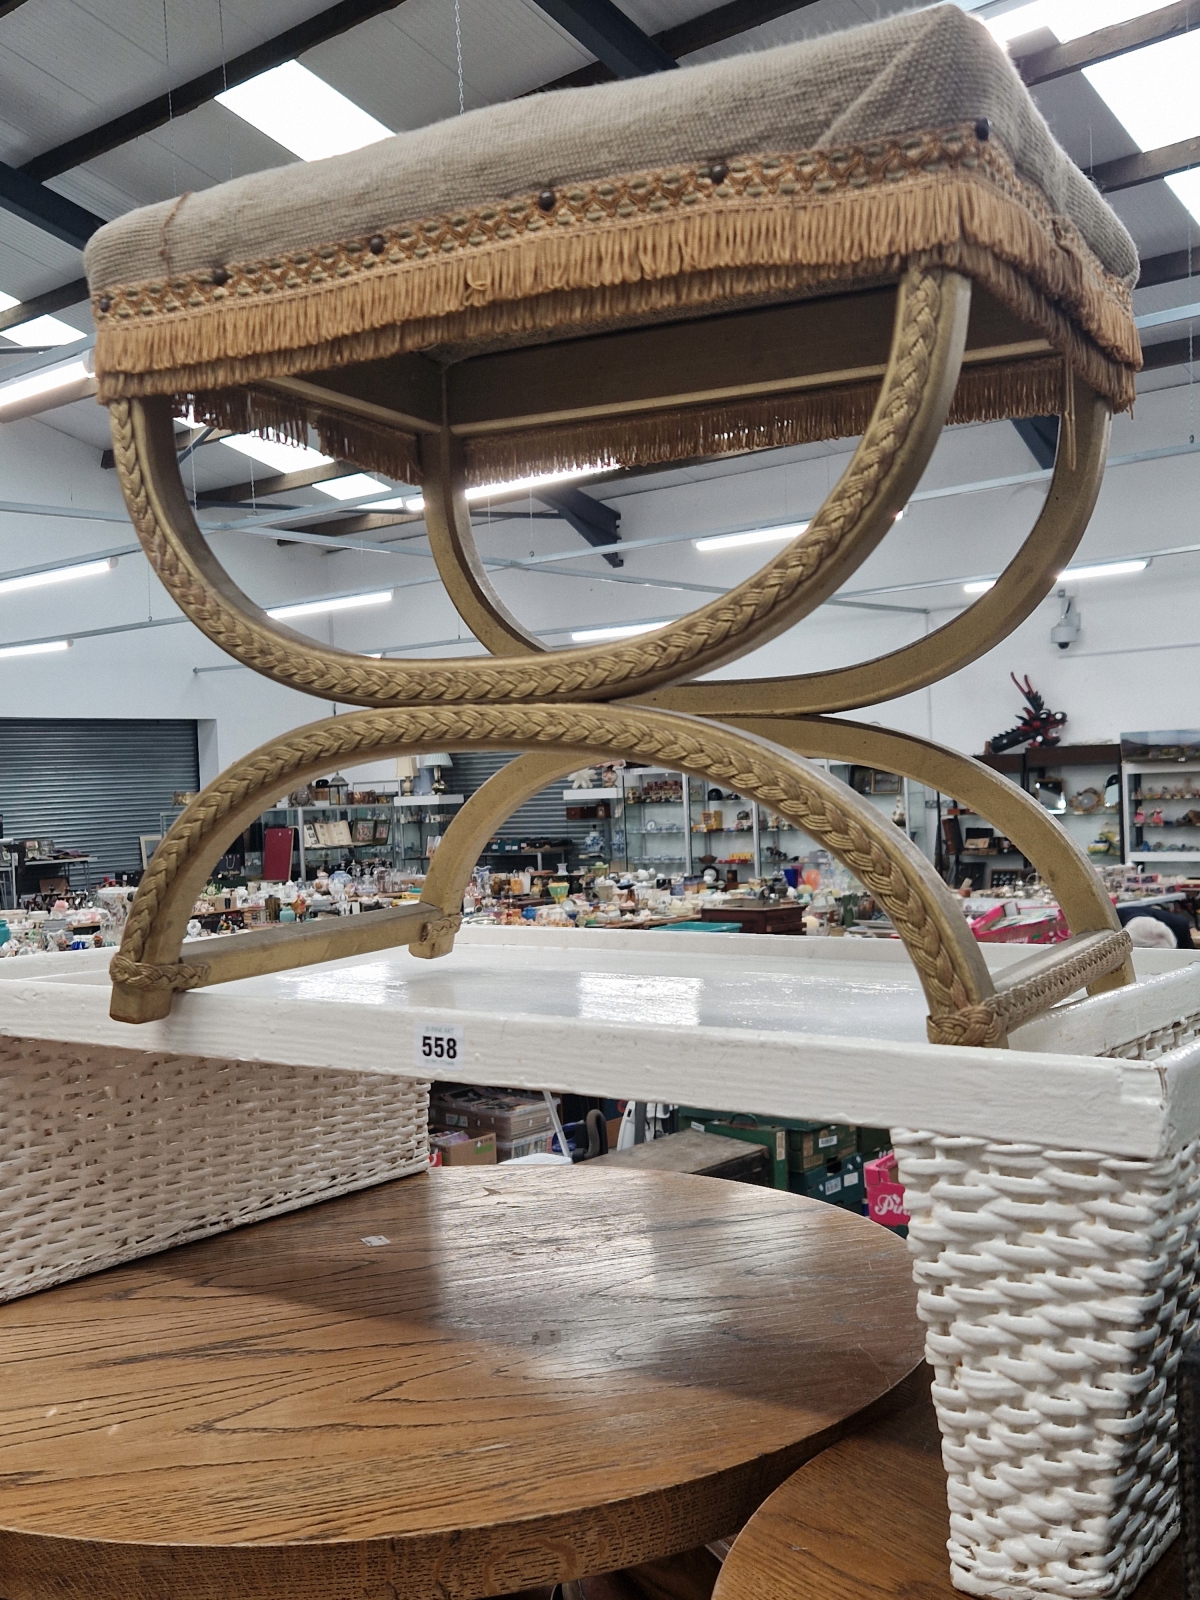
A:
885,1194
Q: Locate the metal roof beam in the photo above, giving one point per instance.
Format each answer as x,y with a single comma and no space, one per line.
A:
1169,268
1041,66
52,213
592,520
710,27
605,30
338,19
1127,172
41,305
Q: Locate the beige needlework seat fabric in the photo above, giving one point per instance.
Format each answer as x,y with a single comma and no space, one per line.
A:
769,175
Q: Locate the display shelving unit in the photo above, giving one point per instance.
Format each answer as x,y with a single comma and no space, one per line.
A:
1083,771
781,842
653,821
1168,790
408,817
602,808
736,842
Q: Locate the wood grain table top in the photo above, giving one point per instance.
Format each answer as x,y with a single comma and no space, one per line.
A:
868,1520
454,1385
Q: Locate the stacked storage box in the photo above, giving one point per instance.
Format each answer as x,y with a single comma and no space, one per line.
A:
520,1123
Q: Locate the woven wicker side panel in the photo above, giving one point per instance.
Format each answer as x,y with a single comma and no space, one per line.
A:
108,1155
1149,1046
1056,1287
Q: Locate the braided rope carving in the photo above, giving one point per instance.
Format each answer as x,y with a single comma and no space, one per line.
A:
787,786
742,615
987,1022
439,928
173,976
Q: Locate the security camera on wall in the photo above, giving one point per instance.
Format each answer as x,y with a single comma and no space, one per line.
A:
1065,631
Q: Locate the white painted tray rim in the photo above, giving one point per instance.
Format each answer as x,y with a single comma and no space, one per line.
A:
1039,1095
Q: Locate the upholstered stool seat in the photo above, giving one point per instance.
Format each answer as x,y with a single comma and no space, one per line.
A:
803,168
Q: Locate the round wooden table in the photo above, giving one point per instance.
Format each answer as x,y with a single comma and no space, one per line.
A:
868,1520
455,1385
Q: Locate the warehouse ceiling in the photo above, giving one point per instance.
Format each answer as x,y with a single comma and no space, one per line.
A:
110,104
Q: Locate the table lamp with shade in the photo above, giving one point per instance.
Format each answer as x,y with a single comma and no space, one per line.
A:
436,763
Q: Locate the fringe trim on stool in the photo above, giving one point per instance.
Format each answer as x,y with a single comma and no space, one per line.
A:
650,439
634,246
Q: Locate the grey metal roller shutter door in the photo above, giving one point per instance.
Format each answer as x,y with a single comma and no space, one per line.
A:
544,816
93,785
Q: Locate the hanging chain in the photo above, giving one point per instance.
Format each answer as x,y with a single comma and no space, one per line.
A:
462,104
225,85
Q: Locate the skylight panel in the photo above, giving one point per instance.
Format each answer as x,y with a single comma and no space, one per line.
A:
352,487
1066,19
1186,188
39,330
1152,91
279,457
303,113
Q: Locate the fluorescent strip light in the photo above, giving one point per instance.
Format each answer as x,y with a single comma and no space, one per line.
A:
272,453
39,580
1106,569
415,503
38,330
352,487
51,647
625,630
348,602
539,480
303,113
1100,569
1161,319
734,541
44,382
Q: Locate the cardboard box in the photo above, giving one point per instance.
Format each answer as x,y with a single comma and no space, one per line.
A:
811,1147
508,1116
459,1149
533,1144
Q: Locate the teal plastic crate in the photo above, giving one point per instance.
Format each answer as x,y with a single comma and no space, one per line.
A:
838,1183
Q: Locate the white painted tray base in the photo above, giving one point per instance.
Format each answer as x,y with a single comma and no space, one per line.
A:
827,1029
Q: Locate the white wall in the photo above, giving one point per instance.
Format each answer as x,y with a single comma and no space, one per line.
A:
1134,666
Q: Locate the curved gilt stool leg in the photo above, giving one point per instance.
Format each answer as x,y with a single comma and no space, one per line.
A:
147,969
918,386
1024,584
463,841
448,523
1084,901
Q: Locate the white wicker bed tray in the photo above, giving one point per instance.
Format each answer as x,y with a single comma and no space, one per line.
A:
828,1029
1054,1189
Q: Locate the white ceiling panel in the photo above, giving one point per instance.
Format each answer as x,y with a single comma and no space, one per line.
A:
66,66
